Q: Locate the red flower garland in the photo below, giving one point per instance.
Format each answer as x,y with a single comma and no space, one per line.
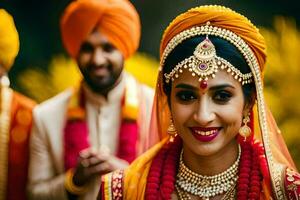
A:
128,137
170,169
256,176
76,131
244,171
161,177
162,174
154,176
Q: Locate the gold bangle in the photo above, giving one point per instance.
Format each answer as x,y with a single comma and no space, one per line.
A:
71,187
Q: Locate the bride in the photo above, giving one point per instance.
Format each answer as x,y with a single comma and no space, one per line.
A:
219,140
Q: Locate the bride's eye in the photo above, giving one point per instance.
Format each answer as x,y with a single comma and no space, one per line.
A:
186,96
222,96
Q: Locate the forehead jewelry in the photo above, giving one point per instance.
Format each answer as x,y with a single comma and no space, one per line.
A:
205,64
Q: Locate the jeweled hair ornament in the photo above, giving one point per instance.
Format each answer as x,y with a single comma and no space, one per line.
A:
205,64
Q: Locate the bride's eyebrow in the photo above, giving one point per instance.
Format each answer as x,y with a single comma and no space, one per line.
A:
186,86
222,86
191,87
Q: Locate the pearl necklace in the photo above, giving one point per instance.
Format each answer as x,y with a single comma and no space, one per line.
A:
230,194
206,186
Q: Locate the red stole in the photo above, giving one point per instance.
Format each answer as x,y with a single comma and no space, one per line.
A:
18,147
76,133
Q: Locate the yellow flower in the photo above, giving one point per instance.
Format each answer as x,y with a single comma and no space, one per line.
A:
282,79
143,67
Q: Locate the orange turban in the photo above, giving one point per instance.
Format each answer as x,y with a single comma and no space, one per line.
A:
222,17
116,19
9,40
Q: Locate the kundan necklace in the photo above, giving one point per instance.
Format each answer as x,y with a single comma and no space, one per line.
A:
206,186
229,195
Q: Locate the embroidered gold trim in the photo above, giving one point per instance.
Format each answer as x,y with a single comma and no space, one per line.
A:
6,98
107,186
117,187
278,174
293,184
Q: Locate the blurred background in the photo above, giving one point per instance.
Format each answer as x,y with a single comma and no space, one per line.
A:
43,69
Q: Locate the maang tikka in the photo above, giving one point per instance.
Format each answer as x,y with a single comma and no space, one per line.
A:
205,63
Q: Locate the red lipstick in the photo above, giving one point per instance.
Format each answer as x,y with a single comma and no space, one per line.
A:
205,134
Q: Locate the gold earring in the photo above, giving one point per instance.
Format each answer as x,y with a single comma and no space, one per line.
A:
245,130
172,131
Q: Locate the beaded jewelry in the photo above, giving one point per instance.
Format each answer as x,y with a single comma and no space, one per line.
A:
207,186
229,195
205,63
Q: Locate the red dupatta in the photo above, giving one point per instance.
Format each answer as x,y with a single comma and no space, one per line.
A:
16,123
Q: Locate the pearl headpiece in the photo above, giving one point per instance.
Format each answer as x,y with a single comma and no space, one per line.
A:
204,62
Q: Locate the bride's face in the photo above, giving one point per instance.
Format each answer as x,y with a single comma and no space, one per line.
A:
207,119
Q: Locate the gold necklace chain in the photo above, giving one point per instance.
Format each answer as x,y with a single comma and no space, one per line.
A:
206,186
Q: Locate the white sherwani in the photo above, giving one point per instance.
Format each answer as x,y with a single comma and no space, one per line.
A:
46,170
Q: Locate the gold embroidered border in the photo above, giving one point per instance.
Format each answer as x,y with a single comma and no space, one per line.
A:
278,174
107,186
6,98
117,185
293,183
